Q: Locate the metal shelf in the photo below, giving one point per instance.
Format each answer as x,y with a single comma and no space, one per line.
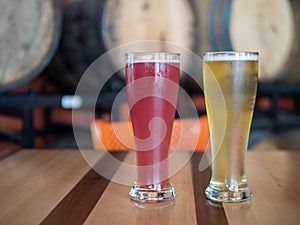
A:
278,118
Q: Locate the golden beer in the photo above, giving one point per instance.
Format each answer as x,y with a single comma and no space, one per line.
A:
230,83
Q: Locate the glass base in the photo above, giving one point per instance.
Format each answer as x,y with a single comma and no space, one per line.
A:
227,195
152,193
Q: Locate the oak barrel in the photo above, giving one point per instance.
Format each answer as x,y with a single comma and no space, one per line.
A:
131,21
96,26
29,34
264,26
80,45
293,71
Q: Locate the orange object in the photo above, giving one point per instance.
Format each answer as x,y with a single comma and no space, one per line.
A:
119,135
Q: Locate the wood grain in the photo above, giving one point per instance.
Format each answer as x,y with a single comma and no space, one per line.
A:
59,187
115,200
29,34
267,27
79,202
7,152
170,21
274,180
129,21
207,212
242,211
33,182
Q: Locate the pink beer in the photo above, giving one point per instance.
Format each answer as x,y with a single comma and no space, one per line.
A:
152,87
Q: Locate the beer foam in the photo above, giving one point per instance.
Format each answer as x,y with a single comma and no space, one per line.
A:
230,56
155,61
152,57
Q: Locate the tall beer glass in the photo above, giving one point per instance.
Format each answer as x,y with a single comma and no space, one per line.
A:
152,87
234,75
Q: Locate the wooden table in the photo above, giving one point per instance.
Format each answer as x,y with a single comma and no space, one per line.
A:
58,187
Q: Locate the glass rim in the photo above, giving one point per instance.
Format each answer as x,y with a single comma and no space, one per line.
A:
152,57
230,55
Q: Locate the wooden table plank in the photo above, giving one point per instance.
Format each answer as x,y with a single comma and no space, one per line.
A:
285,169
59,187
79,202
33,182
207,212
273,178
115,200
6,153
241,212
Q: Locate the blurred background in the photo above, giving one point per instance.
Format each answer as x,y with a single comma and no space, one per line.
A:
46,46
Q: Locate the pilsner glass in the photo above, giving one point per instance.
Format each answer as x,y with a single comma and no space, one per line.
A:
152,88
235,75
